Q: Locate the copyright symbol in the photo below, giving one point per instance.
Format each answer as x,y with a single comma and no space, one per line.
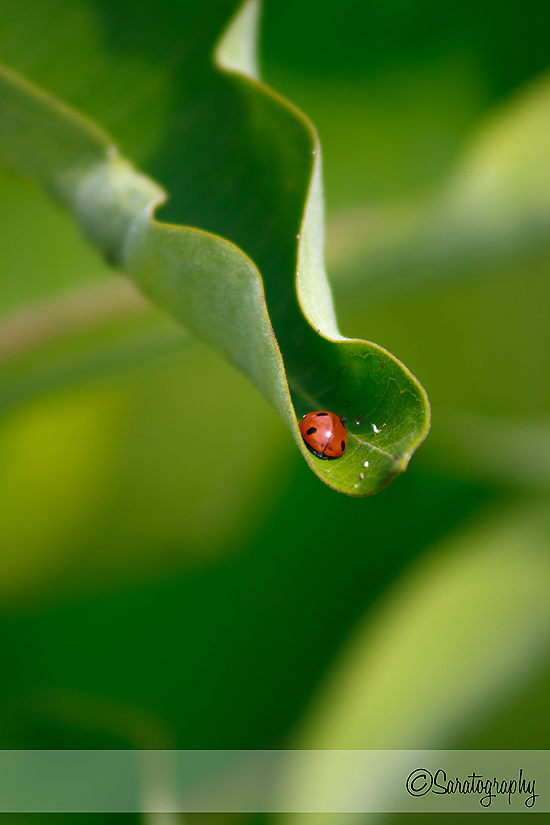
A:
419,782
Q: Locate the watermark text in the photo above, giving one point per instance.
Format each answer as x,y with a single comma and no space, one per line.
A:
422,781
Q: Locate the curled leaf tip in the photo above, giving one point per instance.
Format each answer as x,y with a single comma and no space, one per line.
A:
251,282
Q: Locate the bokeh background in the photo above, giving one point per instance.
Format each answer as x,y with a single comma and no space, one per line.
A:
175,579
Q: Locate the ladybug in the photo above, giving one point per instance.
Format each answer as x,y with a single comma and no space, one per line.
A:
324,434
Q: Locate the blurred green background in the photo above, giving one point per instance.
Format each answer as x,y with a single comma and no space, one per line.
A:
146,601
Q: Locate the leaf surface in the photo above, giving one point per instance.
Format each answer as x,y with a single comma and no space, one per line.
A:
246,169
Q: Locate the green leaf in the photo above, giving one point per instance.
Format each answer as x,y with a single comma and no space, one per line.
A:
279,326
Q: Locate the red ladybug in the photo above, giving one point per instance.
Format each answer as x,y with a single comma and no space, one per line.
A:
324,434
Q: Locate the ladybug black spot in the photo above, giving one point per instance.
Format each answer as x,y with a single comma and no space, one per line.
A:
312,430
343,445
320,414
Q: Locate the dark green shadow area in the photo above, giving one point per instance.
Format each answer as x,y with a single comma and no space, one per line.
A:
231,819
70,819
228,656
357,38
515,818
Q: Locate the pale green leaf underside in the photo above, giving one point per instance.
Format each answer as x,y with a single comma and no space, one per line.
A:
493,207
419,674
298,363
